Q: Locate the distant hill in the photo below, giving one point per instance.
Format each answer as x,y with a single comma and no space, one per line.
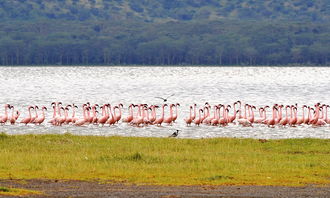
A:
166,10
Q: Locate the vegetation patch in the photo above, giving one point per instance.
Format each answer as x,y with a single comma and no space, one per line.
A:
166,161
17,192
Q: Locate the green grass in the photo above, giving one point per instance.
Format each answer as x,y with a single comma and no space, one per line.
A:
220,161
17,192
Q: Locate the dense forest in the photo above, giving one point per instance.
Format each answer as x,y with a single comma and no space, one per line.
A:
162,32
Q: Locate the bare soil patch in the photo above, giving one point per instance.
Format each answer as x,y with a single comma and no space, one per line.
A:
72,188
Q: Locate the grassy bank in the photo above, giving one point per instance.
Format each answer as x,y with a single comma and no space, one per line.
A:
223,161
17,192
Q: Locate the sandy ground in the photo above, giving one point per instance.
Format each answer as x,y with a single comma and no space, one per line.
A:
58,188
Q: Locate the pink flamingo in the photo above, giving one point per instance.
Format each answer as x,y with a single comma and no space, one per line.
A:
224,121
233,117
169,119
209,118
41,119
82,121
94,118
271,122
306,120
279,118
74,118
3,119
118,117
139,118
61,118
293,116
105,116
153,113
194,116
13,118
261,118
129,118
52,121
251,118
285,121
68,119
300,120
243,121
240,110
327,120
215,120
159,121
36,114
189,119
199,119
111,120
176,112
27,120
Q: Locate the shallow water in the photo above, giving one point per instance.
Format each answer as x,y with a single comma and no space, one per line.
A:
23,86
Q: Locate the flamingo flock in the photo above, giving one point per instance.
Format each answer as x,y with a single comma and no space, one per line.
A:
140,115
244,115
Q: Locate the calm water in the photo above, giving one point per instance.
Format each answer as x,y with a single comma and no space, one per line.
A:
23,86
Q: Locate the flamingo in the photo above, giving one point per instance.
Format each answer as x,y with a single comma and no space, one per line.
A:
68,119
271,122
36,114
261,118
3,119
243,121
82,121
27,120
233,117
53,121
129,118
327,120
14,115
118,117
176,112
251,118
111,120
215,120
285,121
169,119
194,116
300,120
159,121
105,116
189,119
153,113
41,119
293,116
74,118
199,119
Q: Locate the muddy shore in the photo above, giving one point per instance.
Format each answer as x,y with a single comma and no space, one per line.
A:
59,188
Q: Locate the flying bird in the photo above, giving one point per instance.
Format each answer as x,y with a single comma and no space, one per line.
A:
176,133
165,99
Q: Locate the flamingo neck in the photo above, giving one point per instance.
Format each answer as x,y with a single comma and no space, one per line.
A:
303,113
54,114
234,111
30,113
163,112
190,113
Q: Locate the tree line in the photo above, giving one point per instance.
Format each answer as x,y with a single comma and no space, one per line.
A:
221,42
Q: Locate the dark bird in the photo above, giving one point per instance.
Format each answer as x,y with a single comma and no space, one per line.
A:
263,140
165,99
176,133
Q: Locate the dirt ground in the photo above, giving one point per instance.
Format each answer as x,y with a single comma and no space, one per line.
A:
58,188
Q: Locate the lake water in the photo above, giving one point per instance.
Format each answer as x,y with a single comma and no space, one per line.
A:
23,86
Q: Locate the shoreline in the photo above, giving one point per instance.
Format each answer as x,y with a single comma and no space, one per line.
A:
68,188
